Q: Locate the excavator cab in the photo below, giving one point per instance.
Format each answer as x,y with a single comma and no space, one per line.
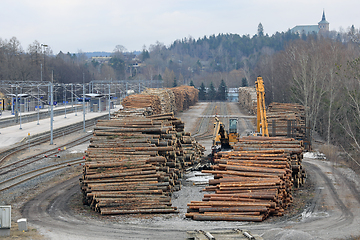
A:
233,131
233,122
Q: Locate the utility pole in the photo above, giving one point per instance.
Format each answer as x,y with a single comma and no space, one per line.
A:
84,101
65,98
52,109
109,101
38,123
20,112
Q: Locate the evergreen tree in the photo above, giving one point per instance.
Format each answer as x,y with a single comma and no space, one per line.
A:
192,84
175,82
119,66
222,91
202,92
244,82
212,92
260,30
145,55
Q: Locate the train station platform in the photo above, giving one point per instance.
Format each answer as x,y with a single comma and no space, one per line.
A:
8,117
14,134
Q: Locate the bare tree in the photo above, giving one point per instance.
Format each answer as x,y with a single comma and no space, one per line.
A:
308,77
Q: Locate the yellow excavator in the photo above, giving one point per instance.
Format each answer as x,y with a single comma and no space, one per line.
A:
262,124
224,139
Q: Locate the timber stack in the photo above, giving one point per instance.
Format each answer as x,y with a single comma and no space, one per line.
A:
248,99
163,100
143,101
166,96
251,182
293,148
287,119
134,163
185,96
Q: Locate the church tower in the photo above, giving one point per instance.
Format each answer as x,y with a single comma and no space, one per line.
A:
323,24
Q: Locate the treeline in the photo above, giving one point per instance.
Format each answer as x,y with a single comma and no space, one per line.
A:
323,75
208,59
320,72
210,93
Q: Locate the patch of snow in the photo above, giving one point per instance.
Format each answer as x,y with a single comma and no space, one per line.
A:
315,155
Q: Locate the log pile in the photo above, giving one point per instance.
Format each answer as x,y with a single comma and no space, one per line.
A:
185,96
167,98
143,101
163,100
280,114
134,163
248,99
132,112
251,182
293,148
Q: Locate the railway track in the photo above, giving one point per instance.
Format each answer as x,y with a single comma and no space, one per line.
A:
29,175
205,128
45,137
224,111
28,168
202,127
45,154
52,212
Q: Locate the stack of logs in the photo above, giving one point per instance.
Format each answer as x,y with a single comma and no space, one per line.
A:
293,148
167,98
185,96
280,114
134,163
251,182
143,101
163,100
248,99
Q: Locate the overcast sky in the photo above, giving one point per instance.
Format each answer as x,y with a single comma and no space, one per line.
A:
100,25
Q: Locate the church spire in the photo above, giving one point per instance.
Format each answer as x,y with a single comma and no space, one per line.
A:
323,24
323,16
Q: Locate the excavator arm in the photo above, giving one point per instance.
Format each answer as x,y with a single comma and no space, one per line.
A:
262,124
220,135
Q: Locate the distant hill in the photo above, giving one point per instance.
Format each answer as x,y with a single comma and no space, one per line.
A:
105,54
97,54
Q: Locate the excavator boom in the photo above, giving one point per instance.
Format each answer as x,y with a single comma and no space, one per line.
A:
262,124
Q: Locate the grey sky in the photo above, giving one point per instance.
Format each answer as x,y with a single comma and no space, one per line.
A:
100,25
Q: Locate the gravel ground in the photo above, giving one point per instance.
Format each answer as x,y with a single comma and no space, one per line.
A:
326,207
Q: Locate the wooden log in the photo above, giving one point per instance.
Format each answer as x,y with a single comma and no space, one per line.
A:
104,211
227,217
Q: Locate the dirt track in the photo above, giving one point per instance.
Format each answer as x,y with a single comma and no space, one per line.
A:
332,212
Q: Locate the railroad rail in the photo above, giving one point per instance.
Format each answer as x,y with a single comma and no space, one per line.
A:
9,180
205,128
44,137
37,157
14,181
